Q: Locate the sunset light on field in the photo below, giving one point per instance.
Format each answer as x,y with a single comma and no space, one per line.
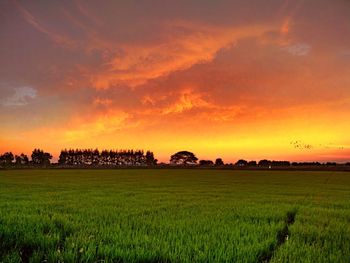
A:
229,78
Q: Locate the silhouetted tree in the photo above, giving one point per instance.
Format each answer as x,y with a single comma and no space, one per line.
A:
219,162
268,163
39,157
306,164
183,158
21,159
264,163
95,157
63,158
104,158
7,158
241,163
252,163
206,162
150,160
280,163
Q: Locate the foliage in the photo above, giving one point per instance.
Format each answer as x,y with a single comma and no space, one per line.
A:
39,157
252,163
219,162
206,162
241,163
6,158
150,160
266,163
183,158
106,157
22,159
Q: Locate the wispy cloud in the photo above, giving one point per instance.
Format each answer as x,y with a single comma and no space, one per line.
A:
188,99
192,44
20,97
99,124
32,20
345,53
299,49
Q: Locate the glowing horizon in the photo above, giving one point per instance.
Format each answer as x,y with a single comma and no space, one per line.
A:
224,79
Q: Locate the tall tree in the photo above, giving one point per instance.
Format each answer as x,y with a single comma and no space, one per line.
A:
39,157
252,163
265,163
21,159
219,162
150,160
95,157
206,162
241,163
7,158
63,158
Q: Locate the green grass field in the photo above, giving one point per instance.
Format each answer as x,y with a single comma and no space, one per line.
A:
174,216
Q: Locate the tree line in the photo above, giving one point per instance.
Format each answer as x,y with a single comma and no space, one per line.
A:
81,157
38,158
106,157
111,158
185,158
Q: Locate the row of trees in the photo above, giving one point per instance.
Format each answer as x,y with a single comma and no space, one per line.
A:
93,157
189,158
106,157
264,163
38,157
268,163
76,157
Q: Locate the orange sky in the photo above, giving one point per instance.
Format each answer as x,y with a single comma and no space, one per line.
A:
230,78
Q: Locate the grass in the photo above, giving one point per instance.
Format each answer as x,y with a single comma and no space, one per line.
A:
174,216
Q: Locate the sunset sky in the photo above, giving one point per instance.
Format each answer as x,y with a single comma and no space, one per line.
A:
233,79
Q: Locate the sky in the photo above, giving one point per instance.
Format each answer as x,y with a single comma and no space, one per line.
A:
233,79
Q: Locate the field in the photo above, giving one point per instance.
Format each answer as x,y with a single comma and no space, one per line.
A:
174,216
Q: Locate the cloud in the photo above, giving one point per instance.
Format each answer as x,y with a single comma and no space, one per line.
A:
102,102
188,44
106,123
87,13
345,53
20,97
285,27
32,20
299,49
188,99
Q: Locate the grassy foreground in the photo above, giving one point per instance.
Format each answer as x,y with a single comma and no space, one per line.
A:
174,216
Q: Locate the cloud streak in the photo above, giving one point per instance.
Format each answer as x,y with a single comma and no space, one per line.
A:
299,49
57,38
134,65
21,97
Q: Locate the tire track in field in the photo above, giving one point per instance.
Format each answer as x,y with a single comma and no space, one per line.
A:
281,237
